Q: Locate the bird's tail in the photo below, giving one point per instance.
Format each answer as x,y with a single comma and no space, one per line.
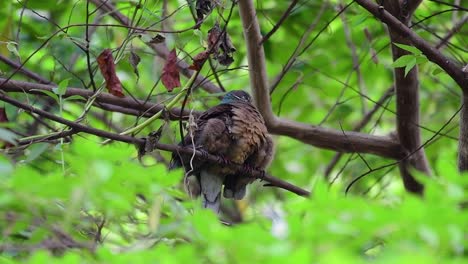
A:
175,163
211,185
235,187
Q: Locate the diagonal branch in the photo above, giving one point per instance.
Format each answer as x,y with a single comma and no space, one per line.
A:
23,70
280,21
431,52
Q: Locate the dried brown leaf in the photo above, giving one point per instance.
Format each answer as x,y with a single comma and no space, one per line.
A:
203,8
220,44
134,61
106,64
199,60
170,73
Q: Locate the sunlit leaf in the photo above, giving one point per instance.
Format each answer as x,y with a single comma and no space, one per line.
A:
61,87
409,48
403,61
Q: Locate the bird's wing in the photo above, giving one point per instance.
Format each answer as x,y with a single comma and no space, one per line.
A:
235,185
255,150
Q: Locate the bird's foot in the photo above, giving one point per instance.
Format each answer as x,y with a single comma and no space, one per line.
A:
223,160
252,171
204,153
262,175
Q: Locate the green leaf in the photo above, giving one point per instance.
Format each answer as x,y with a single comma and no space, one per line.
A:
75,97
36,150
359,19
8,136
411,49
403,61
12,47
436,71
421,59
61,87
410,66
49,93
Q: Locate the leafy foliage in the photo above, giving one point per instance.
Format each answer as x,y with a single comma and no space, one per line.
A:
145,220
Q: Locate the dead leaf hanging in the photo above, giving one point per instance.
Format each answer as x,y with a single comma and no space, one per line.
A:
170,73
203,7
199,60
106,64
134,61
220,44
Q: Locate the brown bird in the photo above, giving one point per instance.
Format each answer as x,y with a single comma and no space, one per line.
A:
236,131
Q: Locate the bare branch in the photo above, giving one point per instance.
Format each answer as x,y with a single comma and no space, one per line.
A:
77,127
280,21
106,101
364,121
457,26
32,75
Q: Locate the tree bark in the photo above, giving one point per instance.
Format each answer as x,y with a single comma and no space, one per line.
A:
463,138
407,102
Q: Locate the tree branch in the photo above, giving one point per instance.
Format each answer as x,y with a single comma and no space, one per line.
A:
431,52
32,75
407,101
105,101
280,21
77,127
364,121
313,135
463,139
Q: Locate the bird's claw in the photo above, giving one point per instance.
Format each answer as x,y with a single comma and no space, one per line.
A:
223,160
251,171
204,153
262,175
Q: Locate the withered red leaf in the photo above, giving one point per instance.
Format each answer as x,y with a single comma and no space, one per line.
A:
170,74
106,64
199,60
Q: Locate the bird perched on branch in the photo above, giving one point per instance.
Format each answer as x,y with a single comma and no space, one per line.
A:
235,131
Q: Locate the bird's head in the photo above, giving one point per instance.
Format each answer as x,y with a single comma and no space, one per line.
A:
236,96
